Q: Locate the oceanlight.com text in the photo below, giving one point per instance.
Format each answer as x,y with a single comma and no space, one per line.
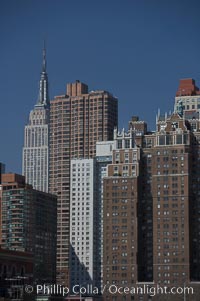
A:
112,289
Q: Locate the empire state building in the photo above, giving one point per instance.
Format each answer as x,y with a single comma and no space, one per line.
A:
35,162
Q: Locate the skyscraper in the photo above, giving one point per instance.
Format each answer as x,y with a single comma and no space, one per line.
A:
164,194
82,221
187,104
146,207
28,223
103,158
35,162
77,121
120,225
86,216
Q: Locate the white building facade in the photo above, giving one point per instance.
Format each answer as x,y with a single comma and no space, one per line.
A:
82,191
86,216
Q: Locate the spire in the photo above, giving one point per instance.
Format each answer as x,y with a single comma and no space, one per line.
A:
43,98
44,59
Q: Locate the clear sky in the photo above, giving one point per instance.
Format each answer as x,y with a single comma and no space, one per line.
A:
136,49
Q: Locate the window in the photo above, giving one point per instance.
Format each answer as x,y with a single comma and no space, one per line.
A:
179,139
127,143
161,140
119,144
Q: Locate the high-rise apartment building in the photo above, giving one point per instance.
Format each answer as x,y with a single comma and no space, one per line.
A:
162,198
35,162
121,196
86,217
187,104
82,221
78,120
28,224
103,158
171,164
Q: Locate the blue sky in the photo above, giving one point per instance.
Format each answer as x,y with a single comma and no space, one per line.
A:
136,49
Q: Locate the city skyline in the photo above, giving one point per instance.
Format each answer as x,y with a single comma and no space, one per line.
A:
146,185
137,51
109,151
